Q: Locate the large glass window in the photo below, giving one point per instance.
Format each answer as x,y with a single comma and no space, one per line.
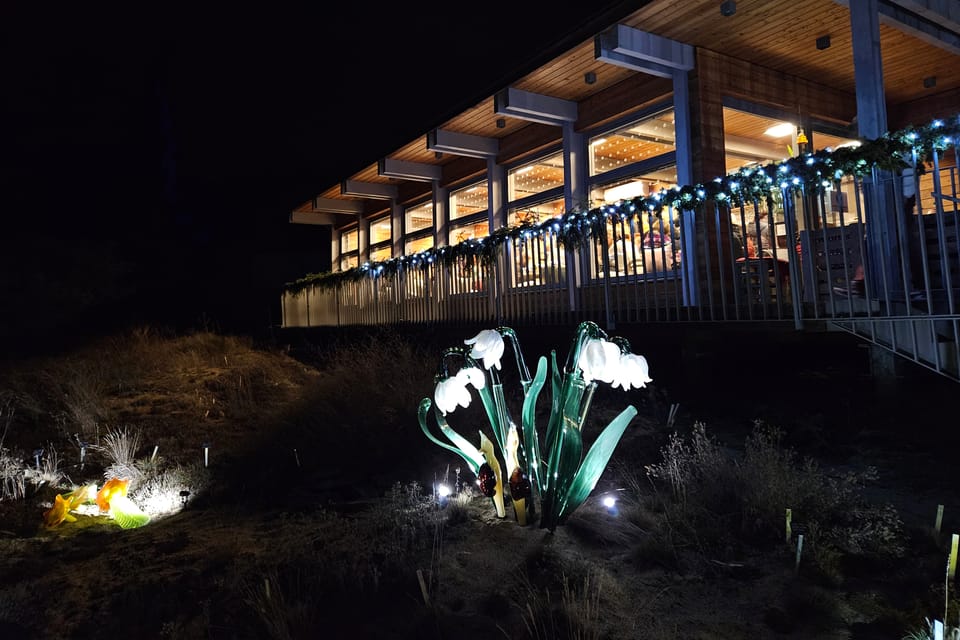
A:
535,213
379,254
468,201
418,218
634,186
753,140
416,245
535,177
636,142
381,239
380,230
463,232
469,207
349,249
349,241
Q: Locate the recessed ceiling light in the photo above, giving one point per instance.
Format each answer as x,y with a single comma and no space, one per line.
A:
780,130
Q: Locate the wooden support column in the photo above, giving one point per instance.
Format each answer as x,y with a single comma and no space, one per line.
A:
496,194
881,240
575,168
441,215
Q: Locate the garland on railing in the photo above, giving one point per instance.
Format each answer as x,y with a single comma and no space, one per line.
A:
813,171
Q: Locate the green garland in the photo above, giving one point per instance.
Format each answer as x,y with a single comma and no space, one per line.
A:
811,171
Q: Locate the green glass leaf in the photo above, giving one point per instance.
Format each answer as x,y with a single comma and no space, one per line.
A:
595,462
490,407
565,448
530,438
464,449
502,424
556,381
127,514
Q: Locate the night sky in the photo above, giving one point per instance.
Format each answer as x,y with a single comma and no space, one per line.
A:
151,158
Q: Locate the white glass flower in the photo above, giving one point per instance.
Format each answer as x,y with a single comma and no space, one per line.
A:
633,372
488,345
599,360
452,392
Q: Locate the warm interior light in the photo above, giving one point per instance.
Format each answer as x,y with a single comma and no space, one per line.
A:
525,169
780,130
624,191
598,141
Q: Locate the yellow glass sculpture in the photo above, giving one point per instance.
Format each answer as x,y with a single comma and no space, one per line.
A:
59,512
486,446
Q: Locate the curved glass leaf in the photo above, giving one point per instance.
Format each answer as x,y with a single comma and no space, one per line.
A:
467,451
127,514
531,440
556,381
565,444
595,462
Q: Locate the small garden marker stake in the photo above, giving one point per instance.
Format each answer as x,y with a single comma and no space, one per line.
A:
153,456
83,453
423,588
952,566
939,521
799,551
206,454
296,456
37,454
788,528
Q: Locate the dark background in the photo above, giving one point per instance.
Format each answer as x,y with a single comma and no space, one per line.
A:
152,154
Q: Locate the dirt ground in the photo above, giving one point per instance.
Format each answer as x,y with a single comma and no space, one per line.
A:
306,524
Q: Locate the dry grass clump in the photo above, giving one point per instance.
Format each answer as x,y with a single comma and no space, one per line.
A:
325,564
720,502
385,367
572,612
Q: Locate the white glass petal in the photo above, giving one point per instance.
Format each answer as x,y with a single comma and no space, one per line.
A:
488,345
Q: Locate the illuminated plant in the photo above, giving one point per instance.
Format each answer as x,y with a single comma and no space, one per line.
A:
557,471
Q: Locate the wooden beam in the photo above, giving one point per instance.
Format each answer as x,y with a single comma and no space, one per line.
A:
534,107
333,205
304,217
406,170
374,190
642,51
462,144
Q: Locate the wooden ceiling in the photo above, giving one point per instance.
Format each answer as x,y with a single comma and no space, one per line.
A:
778,34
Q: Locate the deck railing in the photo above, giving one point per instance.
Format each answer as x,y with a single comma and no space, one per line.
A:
723,264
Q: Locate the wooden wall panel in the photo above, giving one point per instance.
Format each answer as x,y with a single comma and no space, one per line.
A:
528,141
718,76
633,94
923,110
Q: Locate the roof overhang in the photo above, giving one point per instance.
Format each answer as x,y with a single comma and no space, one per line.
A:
642,51
937,23
534,107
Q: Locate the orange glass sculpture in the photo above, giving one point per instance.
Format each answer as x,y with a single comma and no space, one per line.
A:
111,488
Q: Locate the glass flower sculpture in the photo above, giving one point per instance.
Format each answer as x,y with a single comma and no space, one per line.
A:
553,468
